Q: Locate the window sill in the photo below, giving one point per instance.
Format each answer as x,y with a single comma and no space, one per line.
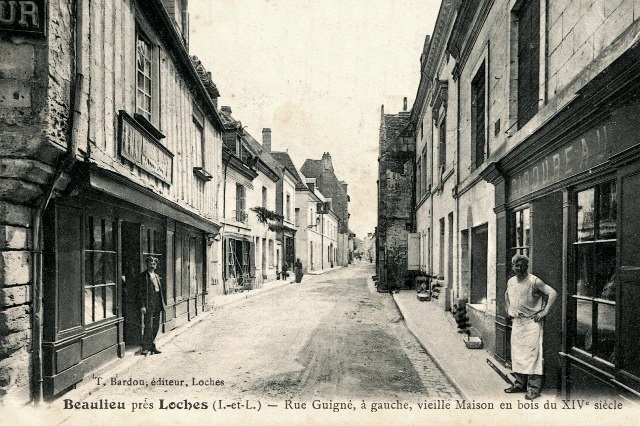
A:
148,126
480,307
202,174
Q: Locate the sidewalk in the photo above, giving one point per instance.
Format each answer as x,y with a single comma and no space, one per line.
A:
131,357
324,271
466,368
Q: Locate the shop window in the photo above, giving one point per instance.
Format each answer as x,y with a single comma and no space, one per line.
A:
100,260
528,19
478,114
594,293
521,234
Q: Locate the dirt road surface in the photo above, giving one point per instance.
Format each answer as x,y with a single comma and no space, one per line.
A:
330,338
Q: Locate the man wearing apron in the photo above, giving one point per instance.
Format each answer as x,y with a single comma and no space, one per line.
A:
528,301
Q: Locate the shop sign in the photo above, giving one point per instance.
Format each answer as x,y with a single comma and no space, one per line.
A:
23,16
589,150
142,149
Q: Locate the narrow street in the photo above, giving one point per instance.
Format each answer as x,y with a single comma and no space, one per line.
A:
331,337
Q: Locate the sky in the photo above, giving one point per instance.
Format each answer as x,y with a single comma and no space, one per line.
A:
316,72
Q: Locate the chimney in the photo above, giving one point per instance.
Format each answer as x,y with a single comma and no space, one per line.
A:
266,139
326,161
226,109
404,108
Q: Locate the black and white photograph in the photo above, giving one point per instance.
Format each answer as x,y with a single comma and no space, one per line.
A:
319,212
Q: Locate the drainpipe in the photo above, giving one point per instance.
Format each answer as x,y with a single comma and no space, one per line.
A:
457,197
38,212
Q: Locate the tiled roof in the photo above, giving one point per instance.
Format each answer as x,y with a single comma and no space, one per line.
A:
228,121
265,156
312,168
284,159
205,77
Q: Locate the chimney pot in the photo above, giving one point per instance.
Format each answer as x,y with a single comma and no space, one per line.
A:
266,139
405,104
226,109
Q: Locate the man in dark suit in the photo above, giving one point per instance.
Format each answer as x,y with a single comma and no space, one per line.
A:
151,303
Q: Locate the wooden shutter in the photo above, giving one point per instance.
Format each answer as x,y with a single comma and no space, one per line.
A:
413,252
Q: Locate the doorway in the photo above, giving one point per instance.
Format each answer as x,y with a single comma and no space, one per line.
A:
479,248
131,268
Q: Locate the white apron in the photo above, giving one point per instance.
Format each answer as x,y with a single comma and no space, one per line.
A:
526,334
526,346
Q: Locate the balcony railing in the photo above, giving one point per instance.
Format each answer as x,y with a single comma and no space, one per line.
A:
241,216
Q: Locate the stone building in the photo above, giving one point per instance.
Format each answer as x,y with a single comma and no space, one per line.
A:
331,187
534,104
395,198
111,151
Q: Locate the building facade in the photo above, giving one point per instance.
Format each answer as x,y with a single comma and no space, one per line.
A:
332,188
395,199
540,100
101,171
250,248
317,239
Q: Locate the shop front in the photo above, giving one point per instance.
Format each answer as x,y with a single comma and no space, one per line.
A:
96,237
239,252
567,197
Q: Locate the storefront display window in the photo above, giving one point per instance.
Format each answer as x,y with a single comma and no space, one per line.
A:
100,270
594,295
522,231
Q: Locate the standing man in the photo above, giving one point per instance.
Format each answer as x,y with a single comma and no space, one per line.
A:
298,270
151,303
528,301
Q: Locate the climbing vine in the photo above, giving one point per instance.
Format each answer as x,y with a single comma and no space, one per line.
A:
268,217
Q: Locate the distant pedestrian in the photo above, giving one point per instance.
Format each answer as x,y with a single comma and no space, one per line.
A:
528,301
151,303
297,267
285,270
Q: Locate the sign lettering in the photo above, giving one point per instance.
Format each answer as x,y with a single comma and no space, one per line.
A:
23,16
143,150
589,150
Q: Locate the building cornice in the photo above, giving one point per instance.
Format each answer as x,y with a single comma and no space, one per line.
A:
433,54
469,22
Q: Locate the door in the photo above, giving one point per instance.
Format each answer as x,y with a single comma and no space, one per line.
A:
479,245
131,268
546,264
